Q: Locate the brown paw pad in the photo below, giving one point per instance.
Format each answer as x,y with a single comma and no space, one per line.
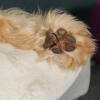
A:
70,39
56,50
70,42
61,32
50,40
69,47
59,41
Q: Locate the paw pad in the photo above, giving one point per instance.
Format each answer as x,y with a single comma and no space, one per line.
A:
61,32
70,39
59,41
56,50
49,41
69,47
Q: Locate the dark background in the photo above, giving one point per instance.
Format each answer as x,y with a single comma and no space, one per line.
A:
80,8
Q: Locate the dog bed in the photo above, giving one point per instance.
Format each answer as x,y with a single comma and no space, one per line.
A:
23,77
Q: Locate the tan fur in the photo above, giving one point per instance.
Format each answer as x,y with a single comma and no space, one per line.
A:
27,31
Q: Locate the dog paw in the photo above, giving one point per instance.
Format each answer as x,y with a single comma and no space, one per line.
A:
59,41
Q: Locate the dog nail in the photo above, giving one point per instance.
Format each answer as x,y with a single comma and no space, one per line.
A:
56,50
69,48
61,31
70,39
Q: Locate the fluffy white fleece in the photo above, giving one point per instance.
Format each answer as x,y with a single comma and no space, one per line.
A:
22,77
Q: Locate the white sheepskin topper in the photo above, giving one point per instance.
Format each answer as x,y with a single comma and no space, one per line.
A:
22,77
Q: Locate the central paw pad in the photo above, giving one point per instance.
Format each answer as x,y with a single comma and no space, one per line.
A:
59,41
